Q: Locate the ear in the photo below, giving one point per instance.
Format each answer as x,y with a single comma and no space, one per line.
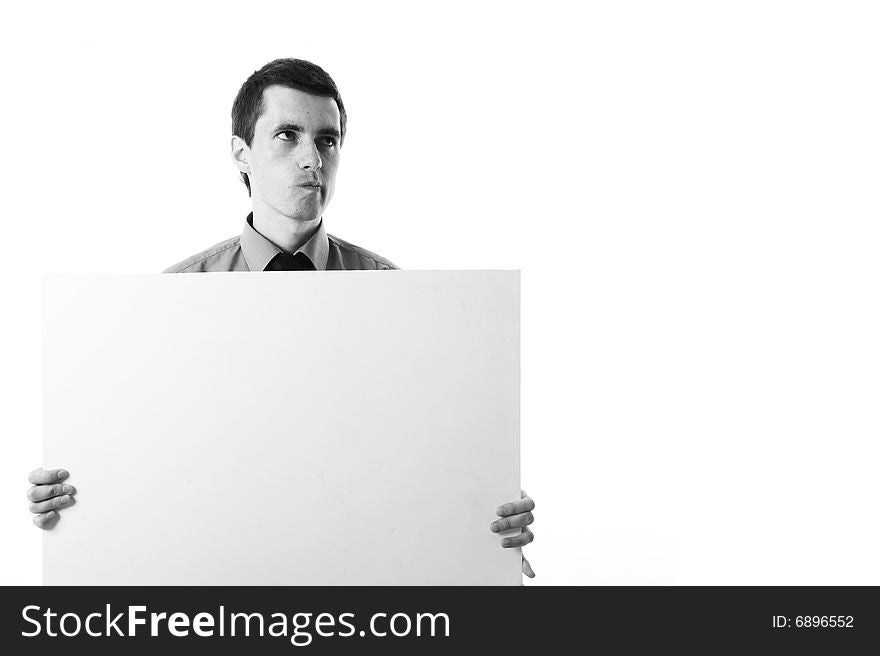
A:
240,154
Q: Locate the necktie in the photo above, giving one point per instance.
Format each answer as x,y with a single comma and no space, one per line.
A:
290,262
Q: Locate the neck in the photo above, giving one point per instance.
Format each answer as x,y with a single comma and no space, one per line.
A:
286,233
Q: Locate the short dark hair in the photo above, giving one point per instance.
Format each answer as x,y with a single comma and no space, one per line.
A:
293,73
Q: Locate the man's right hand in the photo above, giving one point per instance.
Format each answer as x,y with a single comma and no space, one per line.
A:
49,495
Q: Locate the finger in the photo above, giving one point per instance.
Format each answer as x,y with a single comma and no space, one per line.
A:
520,540
527,569
47,520
43,492
515,507
55,503
47,476
512,521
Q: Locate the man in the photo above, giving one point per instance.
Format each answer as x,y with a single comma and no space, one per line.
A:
288,125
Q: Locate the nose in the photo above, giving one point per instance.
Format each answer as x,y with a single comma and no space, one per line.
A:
308,157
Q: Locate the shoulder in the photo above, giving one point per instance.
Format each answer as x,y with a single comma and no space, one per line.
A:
367,259
207,259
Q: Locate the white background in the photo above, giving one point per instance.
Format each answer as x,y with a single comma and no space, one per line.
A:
689,188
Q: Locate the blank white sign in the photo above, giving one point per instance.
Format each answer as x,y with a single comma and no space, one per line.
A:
289,428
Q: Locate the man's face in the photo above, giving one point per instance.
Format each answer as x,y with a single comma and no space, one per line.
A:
293,157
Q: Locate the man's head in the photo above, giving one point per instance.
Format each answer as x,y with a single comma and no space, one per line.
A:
288,122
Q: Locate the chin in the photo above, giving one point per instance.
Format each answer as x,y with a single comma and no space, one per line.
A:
305,217
302,214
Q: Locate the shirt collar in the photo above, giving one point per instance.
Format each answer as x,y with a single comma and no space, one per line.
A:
259,251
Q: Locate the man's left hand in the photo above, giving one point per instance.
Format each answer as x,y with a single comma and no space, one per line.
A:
516,514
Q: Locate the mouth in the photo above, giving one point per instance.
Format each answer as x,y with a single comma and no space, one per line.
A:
310,185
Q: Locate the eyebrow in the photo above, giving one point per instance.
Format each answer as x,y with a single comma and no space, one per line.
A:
293,127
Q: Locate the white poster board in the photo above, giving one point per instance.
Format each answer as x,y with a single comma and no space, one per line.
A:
289,428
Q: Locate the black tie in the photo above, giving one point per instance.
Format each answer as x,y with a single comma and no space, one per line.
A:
290,262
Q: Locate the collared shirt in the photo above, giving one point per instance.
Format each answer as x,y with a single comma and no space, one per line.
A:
251,251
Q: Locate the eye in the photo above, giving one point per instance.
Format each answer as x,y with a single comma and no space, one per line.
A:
326,142
286,135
